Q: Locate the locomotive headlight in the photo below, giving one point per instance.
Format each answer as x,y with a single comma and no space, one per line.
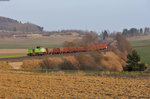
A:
42,50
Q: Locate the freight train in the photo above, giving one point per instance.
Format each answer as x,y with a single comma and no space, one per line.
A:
38,51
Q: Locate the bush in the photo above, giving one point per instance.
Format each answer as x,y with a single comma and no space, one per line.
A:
142,67
48,64
67,65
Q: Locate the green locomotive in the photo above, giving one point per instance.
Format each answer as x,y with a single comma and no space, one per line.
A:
38,51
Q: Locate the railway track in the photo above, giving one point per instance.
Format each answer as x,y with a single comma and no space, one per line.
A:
16,59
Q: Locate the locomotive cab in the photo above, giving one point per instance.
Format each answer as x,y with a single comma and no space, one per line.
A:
38,51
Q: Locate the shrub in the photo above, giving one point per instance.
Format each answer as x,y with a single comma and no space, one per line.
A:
142,67
67,65
48,64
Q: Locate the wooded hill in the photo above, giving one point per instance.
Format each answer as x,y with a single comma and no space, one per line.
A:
8,24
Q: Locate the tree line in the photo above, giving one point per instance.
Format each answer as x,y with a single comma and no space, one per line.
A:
136,32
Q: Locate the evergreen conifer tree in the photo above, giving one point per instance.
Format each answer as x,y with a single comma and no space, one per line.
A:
133,62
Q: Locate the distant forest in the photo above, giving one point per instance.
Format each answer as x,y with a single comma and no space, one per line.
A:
10,27
136,32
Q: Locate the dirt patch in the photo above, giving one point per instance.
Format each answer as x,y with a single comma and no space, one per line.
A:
13,51
15,65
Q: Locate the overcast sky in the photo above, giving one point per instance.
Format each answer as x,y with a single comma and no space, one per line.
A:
94,15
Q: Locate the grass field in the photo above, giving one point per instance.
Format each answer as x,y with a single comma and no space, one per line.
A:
143,48
15,85
33,42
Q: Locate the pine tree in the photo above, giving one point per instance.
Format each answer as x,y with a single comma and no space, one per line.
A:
105,34
133,62
141,30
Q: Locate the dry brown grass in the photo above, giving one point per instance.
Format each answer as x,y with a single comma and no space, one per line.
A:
41,64
87,62
40,86
56,60
112,62
5,65
135,38
31,64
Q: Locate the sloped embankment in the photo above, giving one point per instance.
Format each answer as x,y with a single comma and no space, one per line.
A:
108,61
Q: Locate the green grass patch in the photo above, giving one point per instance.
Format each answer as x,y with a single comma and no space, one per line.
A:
144,52
11,55
143,48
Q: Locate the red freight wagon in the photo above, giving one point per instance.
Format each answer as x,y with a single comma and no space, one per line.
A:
46,50
81,49
56,51
50,51
95,47
74,49
66,50
90,47
101,46
61,50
